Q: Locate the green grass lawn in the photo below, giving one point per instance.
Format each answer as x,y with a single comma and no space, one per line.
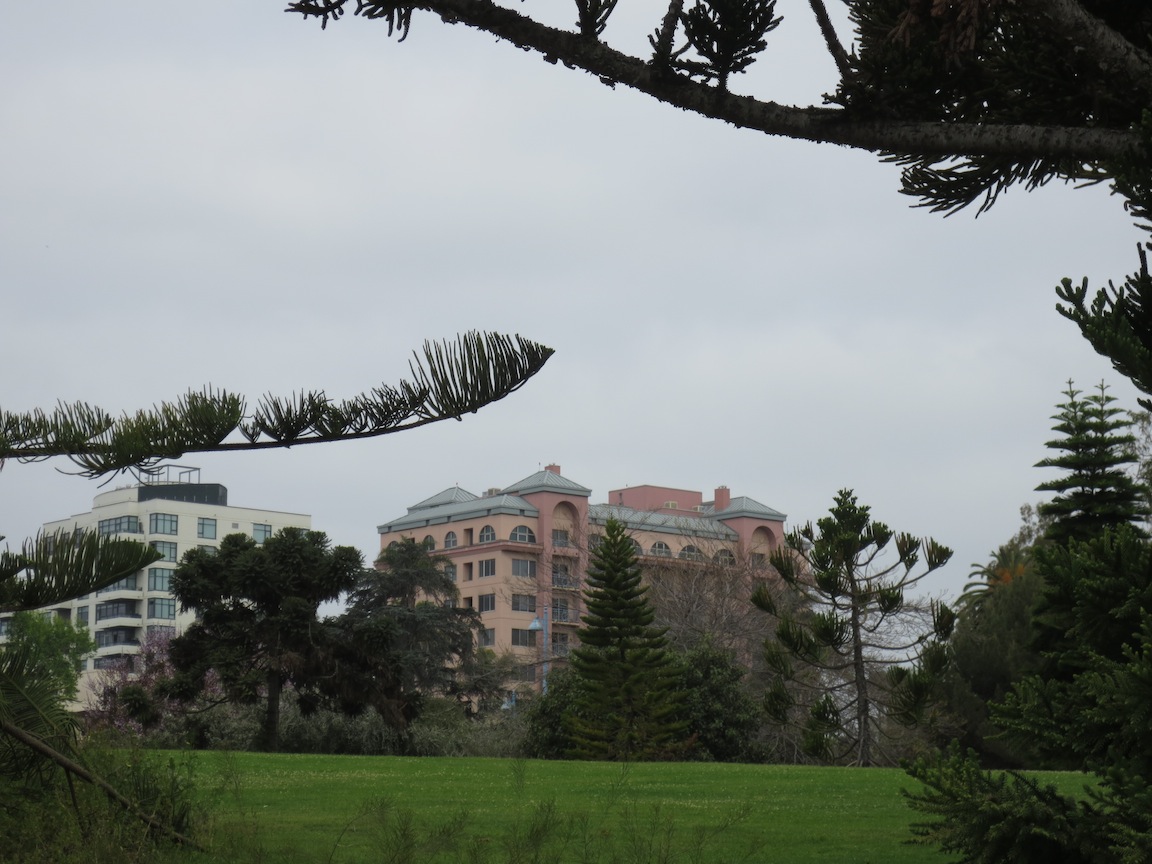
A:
317,809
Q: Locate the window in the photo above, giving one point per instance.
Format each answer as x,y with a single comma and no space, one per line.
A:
165,548
661,549
450,603
724,557
691,553
637,549
560,610
120,525
211,550
561,578
523,638
524,567
522,534
128,583
559,537
260,532
82,615
487,534
488,637
5,623
467,602
595,540
450,570
523,602
487,567
116,636
758,560
159,578
429,542
450,540
116,609
161,607
206,528
163,523
467,571
161,630
560,645
528,674
487,602
119,661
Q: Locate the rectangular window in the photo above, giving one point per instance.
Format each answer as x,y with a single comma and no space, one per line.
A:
450,570
523,638
119,525
261,532
528,674
161,607
128,583
205,528
116,636
82,615
561,577
5,623
116,609
467,602
560,610
487,567
487,602
450,603
758,560
487,638
159,579
161,630
165,548
119,661
559,537
559,644
163,523
523,602
525,568
211,550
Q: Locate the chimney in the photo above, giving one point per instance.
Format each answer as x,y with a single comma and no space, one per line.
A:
555,469
722,500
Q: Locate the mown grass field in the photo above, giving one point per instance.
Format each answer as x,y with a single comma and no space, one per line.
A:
344,809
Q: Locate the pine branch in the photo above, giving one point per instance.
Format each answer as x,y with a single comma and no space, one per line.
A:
450,379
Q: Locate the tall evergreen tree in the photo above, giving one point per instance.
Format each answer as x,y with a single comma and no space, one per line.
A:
630,686
825,661
1095,492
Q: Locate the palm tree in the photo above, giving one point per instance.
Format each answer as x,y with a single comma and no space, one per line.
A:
1009,561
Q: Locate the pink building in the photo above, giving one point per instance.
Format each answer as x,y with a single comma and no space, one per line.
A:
518,554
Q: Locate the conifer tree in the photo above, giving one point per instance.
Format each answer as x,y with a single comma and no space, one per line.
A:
854,623
629,680
1095,492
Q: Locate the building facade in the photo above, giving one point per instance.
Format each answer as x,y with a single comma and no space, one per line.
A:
172,513
518,554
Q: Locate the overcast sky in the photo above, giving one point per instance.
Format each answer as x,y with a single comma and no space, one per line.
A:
218,192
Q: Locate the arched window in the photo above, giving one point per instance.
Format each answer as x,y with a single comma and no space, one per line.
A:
661,549
429,542
487,534
637,549
691,553
522,534
450,540
724,557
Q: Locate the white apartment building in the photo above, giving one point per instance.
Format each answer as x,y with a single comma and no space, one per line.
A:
172,513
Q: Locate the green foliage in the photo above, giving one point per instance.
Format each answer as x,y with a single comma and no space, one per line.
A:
547,715
722,718
1095,493
727,34
56,646
630,695
256,611
852,623
400,641
1001,818
450,379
